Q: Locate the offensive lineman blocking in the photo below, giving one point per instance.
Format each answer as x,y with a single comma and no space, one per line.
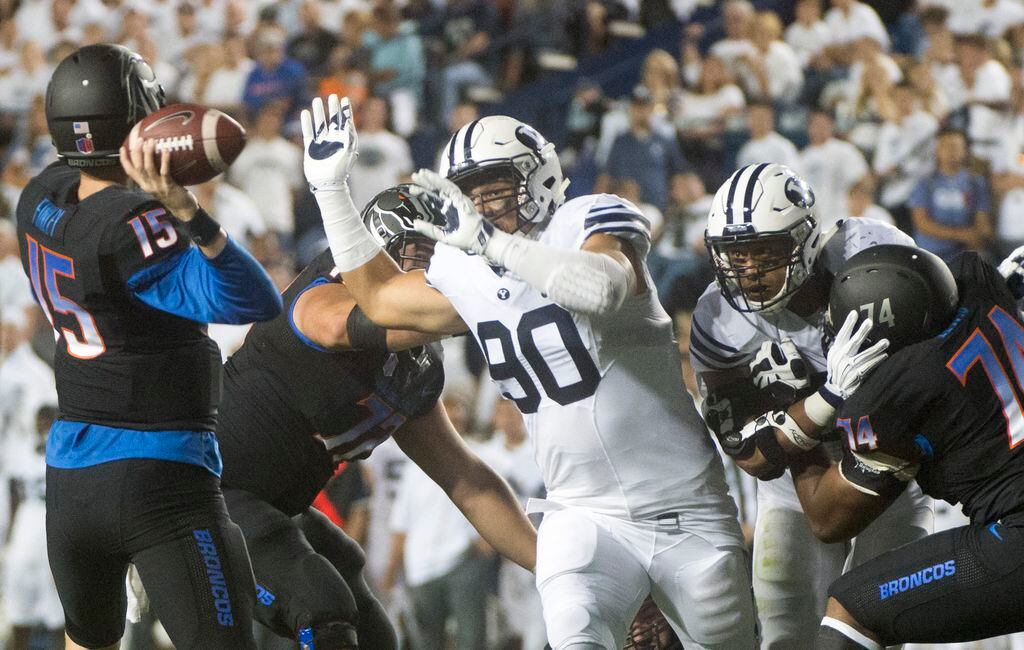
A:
574,334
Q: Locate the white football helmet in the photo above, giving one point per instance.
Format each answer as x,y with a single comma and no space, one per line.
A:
762,221
499,147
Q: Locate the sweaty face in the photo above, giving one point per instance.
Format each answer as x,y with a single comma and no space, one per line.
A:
759,267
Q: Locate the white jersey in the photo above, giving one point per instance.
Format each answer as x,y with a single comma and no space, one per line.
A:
602,397
723,338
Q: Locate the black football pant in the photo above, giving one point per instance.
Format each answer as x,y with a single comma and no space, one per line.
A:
959,585
308,573
167,518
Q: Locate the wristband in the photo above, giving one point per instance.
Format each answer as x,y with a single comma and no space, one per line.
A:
821,407
364,334
202,229
782,421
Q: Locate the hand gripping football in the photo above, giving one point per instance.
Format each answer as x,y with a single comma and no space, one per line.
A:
202,141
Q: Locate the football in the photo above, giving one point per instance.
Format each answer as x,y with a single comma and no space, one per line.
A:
202,141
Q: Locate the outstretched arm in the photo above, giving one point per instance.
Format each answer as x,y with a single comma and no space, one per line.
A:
389,297
484,497
328,316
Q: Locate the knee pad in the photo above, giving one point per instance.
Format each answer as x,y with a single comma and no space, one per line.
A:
328,636
573,624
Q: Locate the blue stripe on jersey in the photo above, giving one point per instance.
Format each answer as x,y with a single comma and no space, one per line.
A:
231,288
623,228
73,445
706,362
47,216
616,216
291,314
705,350
712,340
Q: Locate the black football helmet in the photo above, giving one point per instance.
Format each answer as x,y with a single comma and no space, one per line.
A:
95,96
389,217
908,293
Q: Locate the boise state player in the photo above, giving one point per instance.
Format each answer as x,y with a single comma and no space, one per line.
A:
560,300
132,461
943,410
319,385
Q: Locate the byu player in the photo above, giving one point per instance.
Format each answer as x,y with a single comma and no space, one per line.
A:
755,332
560,300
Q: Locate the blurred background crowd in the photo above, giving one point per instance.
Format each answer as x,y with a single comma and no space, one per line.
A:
909,112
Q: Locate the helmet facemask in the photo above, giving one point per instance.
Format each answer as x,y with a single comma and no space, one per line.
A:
760,272
410,250
501,190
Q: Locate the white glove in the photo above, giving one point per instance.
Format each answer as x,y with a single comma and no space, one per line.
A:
846,366
1012,268
330,142
464,227
779,362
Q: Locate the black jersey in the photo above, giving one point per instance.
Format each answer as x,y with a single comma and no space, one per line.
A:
951,404
291,412
118,362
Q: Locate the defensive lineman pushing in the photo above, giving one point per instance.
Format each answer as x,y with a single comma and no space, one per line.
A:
559,298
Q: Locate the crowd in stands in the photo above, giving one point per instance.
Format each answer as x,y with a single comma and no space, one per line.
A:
907,111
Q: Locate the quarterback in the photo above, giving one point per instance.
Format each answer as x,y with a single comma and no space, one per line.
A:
559,298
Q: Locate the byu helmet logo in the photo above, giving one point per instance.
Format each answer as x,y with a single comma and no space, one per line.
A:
799,192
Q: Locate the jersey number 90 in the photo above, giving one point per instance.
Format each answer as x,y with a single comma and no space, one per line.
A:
510,367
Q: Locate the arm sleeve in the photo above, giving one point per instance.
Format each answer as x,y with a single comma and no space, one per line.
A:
231,288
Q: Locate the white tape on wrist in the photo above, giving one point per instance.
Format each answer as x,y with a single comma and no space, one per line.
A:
782,421
351,244
819,411
580,281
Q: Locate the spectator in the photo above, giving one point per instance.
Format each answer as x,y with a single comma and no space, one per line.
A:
385,467
765,144
738,18
468,28
37,144
808,35
930,95
906,149
445,570
313,44
508,451
189,32
951,207
397,66
384,158
220,83
988,18
347,76
861,200
30,596
643,155
28,382
660,75
771,70
238,214
275,76
981,85
849,21
10,45
27,80
703,116
269,171
169,73
831,166
868,80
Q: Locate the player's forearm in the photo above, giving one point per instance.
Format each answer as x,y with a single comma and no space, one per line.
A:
489,504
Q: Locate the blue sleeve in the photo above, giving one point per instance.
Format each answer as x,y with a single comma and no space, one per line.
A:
919,196
231,288
984,201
